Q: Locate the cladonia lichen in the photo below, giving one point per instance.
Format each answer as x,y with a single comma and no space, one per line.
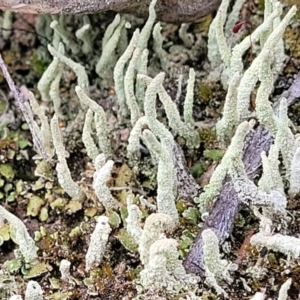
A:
146,216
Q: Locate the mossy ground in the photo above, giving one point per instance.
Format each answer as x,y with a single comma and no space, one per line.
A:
62,227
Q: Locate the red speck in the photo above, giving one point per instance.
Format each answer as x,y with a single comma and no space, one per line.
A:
236,28
244,246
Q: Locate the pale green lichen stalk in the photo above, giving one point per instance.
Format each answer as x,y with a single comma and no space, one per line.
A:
270,178
100,122
131,100
65,36
33,291
133,151
189,99
233,17
158,48
219,21
54,92
216,269
212,189
140,85
98,243
165,271
110,30
284,139
166,175
273,158
63,172
6,24
147,29
84,35
105,64
78,69
184,129
101,176
214,49
226,125
162,270
283,292
287,245
166,181
64,269
155,226
295,174
48,76
133,220
25,242
87,139
119,71
264,110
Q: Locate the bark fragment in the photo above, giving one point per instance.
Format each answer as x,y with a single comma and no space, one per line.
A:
174,11
222,215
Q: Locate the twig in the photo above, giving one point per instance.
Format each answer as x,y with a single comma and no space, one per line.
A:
222,215
23,104
174,11
187,186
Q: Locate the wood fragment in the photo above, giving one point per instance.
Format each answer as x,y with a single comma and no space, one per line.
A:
22,101
174,11
188,188
222,215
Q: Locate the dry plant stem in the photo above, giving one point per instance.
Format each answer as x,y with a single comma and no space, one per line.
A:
291,94
22,100
223,212
188,188
222,215
167,10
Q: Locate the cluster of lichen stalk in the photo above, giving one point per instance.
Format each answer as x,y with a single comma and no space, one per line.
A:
136,94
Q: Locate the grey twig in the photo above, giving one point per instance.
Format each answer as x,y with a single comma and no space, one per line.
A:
168,11
22,101
222,215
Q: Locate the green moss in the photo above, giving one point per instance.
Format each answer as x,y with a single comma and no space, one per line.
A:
38,65
181,206
261,5
204,92
215,155
208,137
197,169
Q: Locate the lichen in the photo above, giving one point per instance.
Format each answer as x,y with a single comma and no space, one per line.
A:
135,219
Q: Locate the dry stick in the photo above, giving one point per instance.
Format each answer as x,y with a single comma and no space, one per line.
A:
168,11
291,94
22,100
188,188
222,215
